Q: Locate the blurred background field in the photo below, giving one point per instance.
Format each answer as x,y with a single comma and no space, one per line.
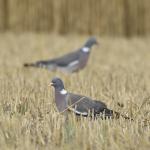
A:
118,71
102,17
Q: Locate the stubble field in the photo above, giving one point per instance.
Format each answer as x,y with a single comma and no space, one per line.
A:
118,71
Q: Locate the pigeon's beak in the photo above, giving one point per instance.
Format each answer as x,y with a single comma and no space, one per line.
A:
51,84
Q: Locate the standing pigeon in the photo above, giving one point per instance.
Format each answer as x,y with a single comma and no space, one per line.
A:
80,105
69,63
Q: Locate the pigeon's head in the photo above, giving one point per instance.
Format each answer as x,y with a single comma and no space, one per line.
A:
57,83
90,42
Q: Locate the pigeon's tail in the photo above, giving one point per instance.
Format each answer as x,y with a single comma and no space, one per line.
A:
29,65
113,114
41,64
108,113
118,115
50,65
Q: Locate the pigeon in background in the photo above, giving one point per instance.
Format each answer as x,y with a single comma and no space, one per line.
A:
78,104
69,63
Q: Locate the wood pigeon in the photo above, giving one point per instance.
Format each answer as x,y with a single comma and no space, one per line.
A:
71,62
78,104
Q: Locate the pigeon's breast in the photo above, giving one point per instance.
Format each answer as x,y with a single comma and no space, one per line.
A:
83,60
60,101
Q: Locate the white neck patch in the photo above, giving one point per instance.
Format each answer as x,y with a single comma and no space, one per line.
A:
63,92
85,49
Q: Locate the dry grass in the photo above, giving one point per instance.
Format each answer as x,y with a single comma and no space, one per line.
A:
118,71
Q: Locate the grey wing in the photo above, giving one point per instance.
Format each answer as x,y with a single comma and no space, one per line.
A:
85,104
66,59
99,106
60,61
